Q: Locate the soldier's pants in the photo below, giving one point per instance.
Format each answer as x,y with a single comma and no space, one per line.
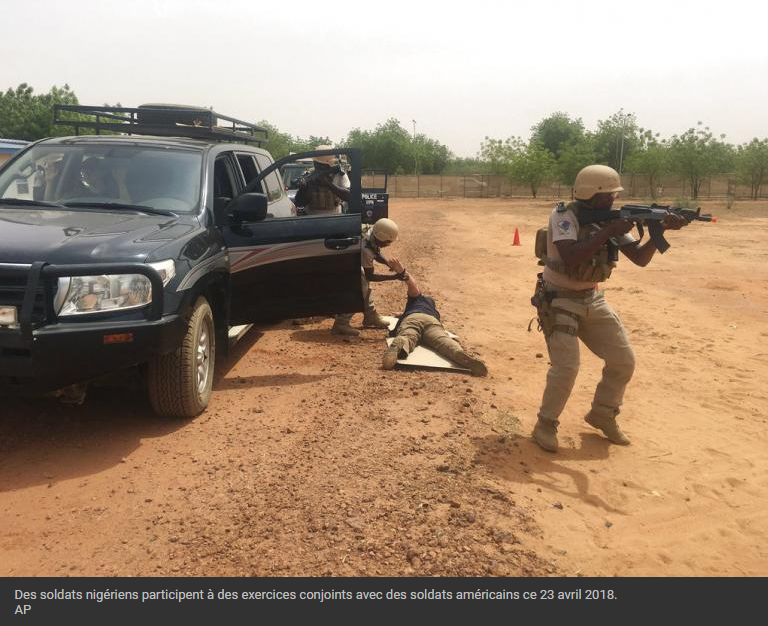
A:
370,308
427,329
601,330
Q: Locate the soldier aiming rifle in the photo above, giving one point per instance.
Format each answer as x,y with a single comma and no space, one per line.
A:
579,250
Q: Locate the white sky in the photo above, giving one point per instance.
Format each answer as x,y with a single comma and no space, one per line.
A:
462,70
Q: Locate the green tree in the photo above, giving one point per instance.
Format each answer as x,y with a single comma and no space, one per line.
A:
573,157
461,166
390,147
616,139
556,132
697,154
278,144
431,156
281,144
531,165
752,165
650,159
496,154
25,115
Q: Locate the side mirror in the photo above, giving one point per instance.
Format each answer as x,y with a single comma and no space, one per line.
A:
248,207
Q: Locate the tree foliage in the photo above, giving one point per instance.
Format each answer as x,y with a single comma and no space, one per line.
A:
616,138
496,154
280,144
651,159
573,157
559,146
752,165
462,166
432,157
532,165
697,154
29,116
390,147
558,131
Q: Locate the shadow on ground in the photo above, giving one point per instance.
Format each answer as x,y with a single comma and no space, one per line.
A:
517,459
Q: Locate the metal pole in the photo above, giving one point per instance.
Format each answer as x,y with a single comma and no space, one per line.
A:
415,158
621,153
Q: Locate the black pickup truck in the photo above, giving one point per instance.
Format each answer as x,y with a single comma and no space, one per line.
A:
145,242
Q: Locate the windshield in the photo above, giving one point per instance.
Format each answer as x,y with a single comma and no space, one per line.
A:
292,172
159,178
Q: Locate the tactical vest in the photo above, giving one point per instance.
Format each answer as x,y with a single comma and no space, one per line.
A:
594,270
322,199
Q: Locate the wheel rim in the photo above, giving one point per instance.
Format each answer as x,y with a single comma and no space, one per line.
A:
203,357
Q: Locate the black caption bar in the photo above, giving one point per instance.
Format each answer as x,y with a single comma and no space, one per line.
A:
95,600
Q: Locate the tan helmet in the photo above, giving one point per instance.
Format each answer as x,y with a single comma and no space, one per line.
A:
328,159
596,179
385,231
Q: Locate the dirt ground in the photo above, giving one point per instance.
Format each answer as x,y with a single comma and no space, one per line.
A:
311,460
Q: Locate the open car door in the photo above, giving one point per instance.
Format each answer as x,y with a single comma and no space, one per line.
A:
296,266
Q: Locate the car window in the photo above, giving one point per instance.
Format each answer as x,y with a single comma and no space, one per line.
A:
292,173
250,171
272,181
223,183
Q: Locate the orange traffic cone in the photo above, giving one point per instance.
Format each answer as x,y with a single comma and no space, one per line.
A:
516,239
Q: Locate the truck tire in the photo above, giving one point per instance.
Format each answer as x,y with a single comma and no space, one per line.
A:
180,382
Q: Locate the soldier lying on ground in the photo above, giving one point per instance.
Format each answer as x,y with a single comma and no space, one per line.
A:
420,322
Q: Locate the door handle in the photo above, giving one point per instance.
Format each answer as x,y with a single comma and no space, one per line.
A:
341,244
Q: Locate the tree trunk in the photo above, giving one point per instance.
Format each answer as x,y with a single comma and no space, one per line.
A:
695,184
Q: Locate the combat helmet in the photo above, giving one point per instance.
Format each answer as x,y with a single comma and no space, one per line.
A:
596,179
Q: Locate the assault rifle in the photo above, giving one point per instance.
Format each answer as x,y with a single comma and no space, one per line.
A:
316,174
641,214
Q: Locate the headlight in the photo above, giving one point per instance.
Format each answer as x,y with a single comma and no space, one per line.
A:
80,295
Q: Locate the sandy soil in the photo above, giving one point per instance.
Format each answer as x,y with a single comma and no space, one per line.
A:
313,461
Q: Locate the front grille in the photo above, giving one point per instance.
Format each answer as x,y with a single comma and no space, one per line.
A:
13,285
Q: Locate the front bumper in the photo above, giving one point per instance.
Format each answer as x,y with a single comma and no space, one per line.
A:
64,354
45,353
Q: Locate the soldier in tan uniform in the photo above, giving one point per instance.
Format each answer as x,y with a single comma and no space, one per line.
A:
381,235
572,308
323,194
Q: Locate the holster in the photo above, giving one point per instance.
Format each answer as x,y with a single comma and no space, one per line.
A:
542,300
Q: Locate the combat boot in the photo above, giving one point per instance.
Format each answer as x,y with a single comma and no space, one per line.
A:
391,354
374,320
473,364
608,425
342,327
545,434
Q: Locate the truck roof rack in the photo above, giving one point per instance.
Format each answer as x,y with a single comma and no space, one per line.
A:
164,120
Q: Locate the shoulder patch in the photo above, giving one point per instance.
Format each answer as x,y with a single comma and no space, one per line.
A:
564,226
